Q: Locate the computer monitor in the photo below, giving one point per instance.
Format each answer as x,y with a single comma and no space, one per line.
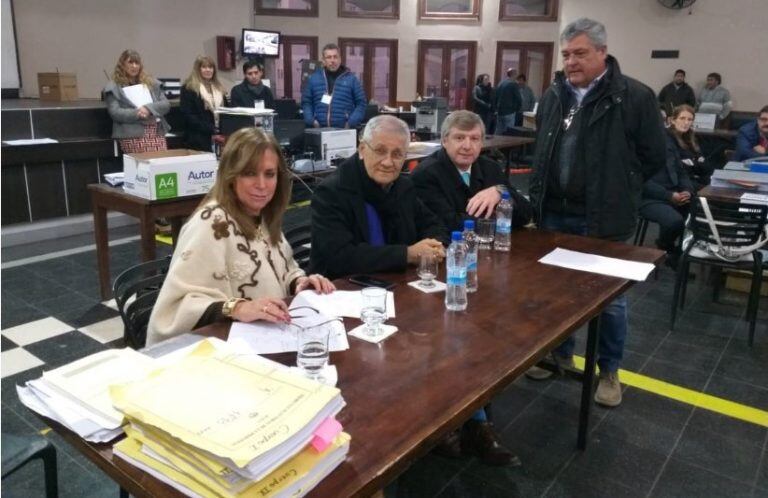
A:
286,108
260,43
290,134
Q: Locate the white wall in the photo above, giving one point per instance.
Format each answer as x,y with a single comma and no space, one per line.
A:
10,78
86,36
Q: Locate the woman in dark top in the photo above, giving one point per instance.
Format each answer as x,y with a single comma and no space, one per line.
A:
252,88
200,96
698,168
482,98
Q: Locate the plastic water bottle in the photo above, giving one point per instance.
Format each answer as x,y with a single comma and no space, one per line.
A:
470,239
456,263
503,224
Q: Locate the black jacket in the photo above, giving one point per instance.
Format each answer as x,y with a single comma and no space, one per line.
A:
671,97
508,99
199,125
440,186
622,145
242,96
340,240
669,179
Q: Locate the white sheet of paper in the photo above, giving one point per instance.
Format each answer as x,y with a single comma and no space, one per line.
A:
613,267
339,303
326,99
359,332
266,338
31,141
138,95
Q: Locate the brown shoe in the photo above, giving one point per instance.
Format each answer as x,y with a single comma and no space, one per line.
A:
563,363
449,446
479,439
608,389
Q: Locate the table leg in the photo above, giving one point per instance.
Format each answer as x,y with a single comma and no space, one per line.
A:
102,248
588,381
147,228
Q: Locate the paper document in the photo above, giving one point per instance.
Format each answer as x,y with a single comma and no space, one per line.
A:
339,303
138,95
754,198
31,141
613,267
245,111
267,338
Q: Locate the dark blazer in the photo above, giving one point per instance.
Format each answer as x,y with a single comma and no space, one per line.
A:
671,97
340,240
199,125
668,180
439,185
242,96
746,139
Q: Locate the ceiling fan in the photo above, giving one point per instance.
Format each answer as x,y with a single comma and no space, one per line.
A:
677,4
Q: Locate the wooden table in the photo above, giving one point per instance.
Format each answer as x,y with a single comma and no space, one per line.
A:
107,198
723,193
408,392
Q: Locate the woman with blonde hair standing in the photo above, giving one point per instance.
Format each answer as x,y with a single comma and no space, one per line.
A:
232,262
201,95
138,128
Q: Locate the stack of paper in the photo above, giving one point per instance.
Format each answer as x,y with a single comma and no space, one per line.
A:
243,111
77,395
218,423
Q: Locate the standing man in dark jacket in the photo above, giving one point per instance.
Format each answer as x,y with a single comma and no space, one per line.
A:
333,95
252,88
456,182
599,137
676,93
508,103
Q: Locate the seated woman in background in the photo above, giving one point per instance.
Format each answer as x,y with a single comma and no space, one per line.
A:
667,195
231,261
698,168
137,128
245,94
201,94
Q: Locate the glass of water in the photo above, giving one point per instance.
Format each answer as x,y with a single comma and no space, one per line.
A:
427,269
312,351
374,310
486,230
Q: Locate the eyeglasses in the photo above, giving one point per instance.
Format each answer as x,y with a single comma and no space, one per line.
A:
381,152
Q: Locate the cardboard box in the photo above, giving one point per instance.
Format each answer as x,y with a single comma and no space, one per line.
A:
741,281
169,174
57,87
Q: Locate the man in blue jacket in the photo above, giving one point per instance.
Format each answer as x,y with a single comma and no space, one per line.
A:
752,140
333,95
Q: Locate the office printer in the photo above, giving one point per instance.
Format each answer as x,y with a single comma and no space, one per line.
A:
430,114
330,144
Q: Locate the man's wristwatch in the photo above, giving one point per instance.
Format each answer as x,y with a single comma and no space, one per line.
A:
229,306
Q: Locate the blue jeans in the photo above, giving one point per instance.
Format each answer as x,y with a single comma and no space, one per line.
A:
504,123
613,319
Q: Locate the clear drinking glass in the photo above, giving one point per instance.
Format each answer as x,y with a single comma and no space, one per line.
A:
374,310
486,230
427,270
312,350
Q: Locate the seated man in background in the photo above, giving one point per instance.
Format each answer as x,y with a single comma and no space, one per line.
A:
715,98
676,93
455,182
366,218
251,89
752,140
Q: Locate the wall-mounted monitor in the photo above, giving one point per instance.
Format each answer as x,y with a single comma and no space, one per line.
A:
260,43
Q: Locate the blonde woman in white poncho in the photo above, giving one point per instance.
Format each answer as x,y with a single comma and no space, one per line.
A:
232,261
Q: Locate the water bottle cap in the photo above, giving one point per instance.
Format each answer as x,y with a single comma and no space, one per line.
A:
455,235
505,195
469,224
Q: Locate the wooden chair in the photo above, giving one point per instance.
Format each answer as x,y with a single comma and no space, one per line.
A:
300,239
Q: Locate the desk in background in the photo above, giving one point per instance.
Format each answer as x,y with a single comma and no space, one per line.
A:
406,393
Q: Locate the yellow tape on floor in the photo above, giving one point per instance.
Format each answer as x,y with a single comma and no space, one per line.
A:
689,396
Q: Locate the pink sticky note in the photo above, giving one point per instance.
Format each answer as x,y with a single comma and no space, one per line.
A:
325,434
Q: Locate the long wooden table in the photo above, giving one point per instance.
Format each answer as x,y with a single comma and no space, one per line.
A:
723,193
406,393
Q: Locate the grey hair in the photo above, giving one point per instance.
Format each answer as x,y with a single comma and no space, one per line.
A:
594,30
463,120
384,122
